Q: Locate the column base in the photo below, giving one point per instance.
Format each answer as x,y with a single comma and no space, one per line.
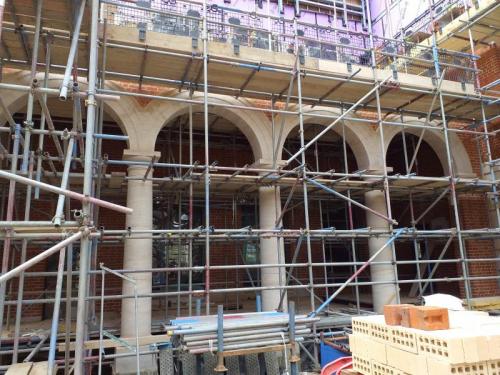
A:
127,365
271,300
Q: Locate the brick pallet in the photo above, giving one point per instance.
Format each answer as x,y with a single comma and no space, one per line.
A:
470,347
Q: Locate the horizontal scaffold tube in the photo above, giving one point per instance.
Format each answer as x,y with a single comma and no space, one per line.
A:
239,338
239,333
27,224
255,289
275,265
247,345
68,193
111,137
225,234
53,92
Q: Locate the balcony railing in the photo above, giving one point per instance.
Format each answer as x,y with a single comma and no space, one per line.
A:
238,28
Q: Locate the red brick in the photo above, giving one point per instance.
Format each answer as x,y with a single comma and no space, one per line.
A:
394,313
427,318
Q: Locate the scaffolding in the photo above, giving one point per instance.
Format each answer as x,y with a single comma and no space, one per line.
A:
376,89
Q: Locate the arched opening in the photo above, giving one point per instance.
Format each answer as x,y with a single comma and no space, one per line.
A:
46,157
327,154
426,207
405,151
333,156
179,203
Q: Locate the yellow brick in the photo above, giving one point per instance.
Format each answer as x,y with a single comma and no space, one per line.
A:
493,367
494,347
475,348
402,360
381,369
380,330
372,349
361,365
360,325
372,325
403,338
352,343
458,346
437,367
443,345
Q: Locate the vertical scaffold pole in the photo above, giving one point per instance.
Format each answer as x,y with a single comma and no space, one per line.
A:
87,191
190,275
304,173
294,358
41,137
24,248
2,7
55,315
449,159
220,340
28,124
207,165
303,169
9,216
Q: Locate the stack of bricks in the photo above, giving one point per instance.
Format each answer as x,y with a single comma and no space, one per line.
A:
471,346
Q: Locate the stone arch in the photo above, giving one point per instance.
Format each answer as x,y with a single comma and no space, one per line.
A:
362,140
435,139
126,112
254,125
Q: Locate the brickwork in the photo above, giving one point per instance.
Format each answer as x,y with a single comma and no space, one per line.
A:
489,65
473,210
143,89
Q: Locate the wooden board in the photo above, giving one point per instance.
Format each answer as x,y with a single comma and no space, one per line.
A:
19,369
29,368
94,344
40,368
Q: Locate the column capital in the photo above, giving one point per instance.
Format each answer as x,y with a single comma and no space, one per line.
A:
470,175
378,170
267,163
136,155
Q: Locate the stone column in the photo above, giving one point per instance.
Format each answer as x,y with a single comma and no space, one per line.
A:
271,249
138,254
382,294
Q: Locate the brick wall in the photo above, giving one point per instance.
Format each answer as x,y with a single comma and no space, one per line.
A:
473,212
474,207
489,64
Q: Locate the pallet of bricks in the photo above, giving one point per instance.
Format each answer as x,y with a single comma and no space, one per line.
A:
419,340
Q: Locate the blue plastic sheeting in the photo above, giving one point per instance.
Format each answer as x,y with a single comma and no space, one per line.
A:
329,354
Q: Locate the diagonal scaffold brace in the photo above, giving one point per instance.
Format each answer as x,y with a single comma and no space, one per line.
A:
391,239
